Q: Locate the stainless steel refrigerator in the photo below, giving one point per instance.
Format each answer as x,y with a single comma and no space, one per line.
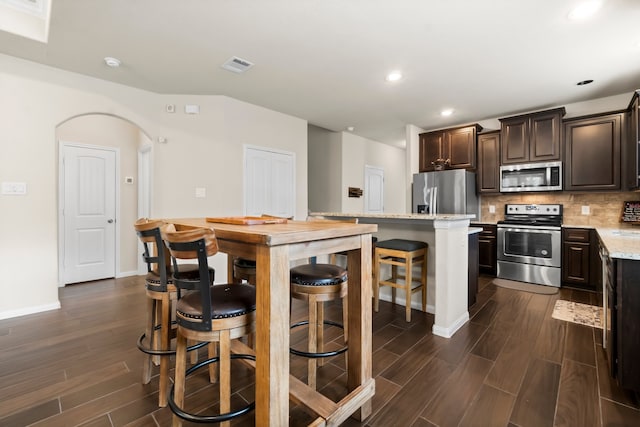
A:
445,192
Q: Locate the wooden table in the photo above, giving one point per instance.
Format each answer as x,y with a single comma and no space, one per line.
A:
273,246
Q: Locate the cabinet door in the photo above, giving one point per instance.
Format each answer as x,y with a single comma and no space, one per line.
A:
631,155
514,136
627,297
544,137
460,148
592,153
430,150
487,249
575,263
489,163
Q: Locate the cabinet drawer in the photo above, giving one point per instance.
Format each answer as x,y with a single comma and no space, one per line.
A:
577,235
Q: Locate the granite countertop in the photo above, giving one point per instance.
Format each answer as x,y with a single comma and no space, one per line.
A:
448,217
474,230
621,242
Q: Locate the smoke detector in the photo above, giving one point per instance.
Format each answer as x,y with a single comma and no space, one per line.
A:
112,62
237,65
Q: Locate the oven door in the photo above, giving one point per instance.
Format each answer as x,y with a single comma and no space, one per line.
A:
529,244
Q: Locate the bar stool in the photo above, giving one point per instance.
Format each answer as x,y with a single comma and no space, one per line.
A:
406,254
161,294
316,284
207,313
244,269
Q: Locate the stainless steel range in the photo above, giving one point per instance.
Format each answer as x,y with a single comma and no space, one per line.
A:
529,244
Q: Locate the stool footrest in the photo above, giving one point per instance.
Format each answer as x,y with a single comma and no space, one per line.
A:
322,354
209,418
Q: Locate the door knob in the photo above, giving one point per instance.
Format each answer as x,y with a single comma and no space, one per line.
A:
110,221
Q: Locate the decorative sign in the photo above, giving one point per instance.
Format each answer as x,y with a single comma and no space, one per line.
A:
355,192
631,212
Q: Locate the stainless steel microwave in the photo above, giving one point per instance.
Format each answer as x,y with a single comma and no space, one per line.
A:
531,177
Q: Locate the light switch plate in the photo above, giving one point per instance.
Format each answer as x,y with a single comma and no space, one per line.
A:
586,210
492,209
201,192
14,188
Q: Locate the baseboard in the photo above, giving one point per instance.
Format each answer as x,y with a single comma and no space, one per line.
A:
447,332
127,274
414,304
29,310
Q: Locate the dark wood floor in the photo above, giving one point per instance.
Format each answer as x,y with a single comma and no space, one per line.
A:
511,365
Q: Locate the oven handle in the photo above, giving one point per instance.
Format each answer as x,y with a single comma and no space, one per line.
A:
534,228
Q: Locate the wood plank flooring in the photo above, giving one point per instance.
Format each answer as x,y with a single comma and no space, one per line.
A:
511,365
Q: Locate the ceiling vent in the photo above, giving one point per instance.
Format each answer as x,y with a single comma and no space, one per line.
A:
237,65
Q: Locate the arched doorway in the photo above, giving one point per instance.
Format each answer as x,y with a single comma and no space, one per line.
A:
92,135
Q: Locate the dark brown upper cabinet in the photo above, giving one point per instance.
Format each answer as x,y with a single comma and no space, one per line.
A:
592,152
534,137
457,145
631,146
488,176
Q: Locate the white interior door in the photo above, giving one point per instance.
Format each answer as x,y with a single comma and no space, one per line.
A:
373,189
89,198
269,178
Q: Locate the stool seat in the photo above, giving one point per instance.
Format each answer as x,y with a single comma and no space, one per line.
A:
226,301
401,245
244,263
318,275
405,254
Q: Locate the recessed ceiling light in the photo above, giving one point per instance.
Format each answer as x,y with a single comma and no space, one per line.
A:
112,62
394,76
585,82
585,10
350,128
446,113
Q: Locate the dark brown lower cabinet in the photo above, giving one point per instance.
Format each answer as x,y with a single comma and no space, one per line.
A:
626,328
488,249
473,269
577,256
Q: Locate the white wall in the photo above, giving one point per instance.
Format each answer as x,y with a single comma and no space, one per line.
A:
202,150
324,170
337,161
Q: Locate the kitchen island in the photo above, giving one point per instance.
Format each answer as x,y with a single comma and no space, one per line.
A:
447,261
620,254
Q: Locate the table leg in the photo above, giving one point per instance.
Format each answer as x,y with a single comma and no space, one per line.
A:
272,336
360,323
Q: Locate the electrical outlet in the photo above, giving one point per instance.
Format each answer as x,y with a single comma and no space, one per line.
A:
586,210
201,192
492,209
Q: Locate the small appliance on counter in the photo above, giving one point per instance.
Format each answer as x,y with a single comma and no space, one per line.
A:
450,191
529,244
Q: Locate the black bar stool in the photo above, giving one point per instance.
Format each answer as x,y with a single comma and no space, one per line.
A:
213,314
155,342
316,284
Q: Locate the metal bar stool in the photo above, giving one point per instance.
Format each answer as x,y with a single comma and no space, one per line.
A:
155,342
211,313
406,254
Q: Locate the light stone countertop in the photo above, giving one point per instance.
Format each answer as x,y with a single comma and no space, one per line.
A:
621,242
446,217
474,230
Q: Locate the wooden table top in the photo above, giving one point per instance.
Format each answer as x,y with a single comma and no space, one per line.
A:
279,234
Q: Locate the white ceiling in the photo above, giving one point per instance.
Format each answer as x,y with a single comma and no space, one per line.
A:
325,60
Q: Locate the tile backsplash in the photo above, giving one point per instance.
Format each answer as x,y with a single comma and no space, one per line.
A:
605,209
